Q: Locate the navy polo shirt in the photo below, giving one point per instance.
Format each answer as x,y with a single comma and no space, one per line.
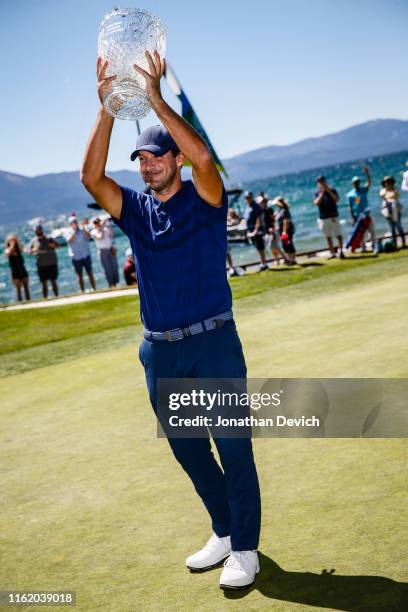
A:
252,213
179,247
328,205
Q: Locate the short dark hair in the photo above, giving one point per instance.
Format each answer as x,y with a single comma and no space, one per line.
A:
175,152
321,179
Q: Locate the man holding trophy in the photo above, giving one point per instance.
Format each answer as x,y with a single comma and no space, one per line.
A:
179,243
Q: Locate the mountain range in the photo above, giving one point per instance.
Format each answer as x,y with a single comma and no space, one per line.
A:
378,137
22,197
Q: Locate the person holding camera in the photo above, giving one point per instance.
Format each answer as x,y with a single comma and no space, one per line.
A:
14,253
43,247
326,200
102,233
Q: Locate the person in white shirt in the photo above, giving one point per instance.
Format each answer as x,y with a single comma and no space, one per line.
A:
404,184
78,250
103,235
391,208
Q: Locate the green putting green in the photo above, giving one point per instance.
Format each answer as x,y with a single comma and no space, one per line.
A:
96,503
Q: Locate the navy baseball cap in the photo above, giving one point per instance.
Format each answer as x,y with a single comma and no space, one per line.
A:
156,140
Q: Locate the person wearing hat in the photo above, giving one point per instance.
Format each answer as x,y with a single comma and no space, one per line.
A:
253,216
43,247
358,203
271,235
179,241
326,200
391,209
79,251
103,235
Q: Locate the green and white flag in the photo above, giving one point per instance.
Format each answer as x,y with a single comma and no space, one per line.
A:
189,114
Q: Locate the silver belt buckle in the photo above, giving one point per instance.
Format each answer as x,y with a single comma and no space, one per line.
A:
218,323
170,337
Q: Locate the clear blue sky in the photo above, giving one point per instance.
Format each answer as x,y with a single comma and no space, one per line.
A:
258,73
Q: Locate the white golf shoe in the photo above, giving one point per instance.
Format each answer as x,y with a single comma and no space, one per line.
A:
212,554
240,569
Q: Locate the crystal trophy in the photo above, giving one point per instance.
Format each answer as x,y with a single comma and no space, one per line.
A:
124,36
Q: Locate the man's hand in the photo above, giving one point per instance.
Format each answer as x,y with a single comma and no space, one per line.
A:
206,177
156,66
104,189
367,173
53,244
104,82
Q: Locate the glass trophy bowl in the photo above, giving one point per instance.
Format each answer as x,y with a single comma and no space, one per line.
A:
124,36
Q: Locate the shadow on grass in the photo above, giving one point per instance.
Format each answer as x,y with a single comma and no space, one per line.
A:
285,269
368,256
327,590
311,264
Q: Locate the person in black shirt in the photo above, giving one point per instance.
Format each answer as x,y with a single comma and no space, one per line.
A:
326,200
14,253
43,247
255,230
271,234
286,227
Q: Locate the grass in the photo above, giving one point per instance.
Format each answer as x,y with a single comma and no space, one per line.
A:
40,337
97,504
21,329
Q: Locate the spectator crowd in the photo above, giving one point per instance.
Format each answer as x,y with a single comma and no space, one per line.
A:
44,249
269,226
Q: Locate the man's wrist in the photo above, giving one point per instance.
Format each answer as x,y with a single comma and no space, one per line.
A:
157,102
103,114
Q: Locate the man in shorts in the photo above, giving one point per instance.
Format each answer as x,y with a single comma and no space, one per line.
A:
43,247
326,200
255,229
271,234
80,253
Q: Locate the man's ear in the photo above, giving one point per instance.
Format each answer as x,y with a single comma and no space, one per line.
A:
180,159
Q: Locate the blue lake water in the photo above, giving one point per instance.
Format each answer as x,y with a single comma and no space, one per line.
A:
298,189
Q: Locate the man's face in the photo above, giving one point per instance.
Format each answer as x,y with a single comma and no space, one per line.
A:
321,185
159,171
249,200
39,231
356,184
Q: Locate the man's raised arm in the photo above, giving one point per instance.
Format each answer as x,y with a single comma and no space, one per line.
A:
368,176
205,174
103,188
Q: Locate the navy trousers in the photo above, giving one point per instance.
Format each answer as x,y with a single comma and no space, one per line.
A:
231,494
